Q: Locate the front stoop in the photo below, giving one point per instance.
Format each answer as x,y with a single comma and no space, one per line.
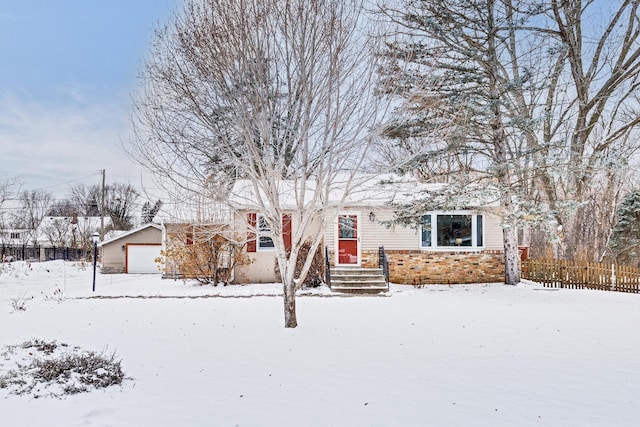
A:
358,280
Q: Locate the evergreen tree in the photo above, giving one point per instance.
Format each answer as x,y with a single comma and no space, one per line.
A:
625,239
149,212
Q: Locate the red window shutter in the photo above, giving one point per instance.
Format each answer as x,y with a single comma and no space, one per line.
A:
286,231
251,243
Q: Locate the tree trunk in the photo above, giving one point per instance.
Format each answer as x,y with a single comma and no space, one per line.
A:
290,320
511,262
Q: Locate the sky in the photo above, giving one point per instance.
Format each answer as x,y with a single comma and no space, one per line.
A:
68,69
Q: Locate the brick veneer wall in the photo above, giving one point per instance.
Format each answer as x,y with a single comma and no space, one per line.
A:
419,267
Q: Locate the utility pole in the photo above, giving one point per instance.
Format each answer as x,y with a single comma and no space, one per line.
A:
102,207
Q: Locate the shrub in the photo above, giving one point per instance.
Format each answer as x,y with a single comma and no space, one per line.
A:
18,303
315,275
205,254
47,368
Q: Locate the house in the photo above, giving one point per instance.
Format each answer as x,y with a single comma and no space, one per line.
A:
458,244
133,251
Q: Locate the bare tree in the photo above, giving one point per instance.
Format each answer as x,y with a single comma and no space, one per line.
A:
593,117
450,63
555,85
34,205
64,207
8,189
86,199
275,92
60,232
120,202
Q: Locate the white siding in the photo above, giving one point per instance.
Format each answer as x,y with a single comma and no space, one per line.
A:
373,234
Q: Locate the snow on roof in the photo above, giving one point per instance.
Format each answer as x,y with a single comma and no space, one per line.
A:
362,190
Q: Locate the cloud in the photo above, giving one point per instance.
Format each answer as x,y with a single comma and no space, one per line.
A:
51,144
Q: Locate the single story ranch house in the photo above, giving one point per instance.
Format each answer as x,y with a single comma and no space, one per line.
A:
461,245
455,244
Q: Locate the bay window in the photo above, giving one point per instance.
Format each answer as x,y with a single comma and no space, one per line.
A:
452,230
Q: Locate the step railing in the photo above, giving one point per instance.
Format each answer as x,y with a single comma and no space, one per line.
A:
383,263
327,267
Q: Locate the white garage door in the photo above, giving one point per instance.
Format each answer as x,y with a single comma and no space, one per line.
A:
141,258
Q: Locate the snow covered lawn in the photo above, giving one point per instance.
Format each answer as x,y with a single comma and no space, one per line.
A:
481,355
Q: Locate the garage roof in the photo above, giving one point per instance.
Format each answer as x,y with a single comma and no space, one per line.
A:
129,233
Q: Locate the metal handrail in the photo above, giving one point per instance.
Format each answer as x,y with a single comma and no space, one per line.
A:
327,267
383,262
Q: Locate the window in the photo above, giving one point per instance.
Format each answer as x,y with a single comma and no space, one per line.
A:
264,242
347,227
426,230
15,235
452,230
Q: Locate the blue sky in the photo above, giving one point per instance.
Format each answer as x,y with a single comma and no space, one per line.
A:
67,72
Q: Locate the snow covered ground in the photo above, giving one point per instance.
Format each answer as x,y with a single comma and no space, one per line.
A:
476,355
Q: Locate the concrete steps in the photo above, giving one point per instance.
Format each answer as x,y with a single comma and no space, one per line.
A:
358,280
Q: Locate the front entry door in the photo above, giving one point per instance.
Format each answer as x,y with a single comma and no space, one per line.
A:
348,239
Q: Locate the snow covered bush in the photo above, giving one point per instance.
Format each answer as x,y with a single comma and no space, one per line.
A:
46,368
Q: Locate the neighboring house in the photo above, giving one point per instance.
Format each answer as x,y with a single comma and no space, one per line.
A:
452,246
133,251
13,237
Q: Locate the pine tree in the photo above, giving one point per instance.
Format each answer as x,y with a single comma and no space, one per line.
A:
625,238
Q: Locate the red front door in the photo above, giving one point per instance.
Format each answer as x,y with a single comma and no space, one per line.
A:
348,239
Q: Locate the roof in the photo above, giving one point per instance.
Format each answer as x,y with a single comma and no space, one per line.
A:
365,190
130,232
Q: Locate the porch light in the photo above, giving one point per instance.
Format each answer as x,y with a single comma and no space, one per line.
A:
372,216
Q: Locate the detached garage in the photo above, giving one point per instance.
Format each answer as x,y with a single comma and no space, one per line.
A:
134,251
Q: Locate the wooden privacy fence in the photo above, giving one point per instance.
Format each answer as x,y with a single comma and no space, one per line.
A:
582,275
